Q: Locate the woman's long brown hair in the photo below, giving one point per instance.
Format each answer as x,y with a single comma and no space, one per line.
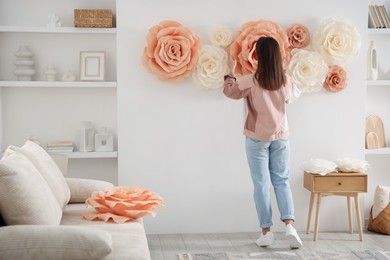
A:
269,74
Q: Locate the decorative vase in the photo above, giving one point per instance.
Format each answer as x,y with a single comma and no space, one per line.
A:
87,136
24,64
51,72
372,73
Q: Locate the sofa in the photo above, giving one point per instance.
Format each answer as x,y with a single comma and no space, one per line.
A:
41,213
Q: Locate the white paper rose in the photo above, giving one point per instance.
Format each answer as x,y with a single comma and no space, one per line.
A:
221,36
211,67
352,165
308,70
319,166
337,41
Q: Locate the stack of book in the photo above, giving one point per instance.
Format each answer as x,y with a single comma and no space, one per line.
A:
60,147
378,17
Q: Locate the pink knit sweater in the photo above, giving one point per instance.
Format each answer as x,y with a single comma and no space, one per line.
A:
266,119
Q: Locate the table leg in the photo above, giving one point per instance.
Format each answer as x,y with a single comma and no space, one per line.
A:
310,212
359,221
317,216
350,214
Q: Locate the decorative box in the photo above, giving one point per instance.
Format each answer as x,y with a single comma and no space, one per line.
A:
104,142
98,18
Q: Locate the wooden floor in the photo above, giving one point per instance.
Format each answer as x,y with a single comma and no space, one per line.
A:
166,247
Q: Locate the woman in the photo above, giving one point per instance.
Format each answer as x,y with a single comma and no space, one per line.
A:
267,147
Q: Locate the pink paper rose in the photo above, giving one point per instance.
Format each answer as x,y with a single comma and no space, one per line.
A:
172,51
122,204
298,36
336,79
243,46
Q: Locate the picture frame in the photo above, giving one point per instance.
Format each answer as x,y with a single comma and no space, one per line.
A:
92,65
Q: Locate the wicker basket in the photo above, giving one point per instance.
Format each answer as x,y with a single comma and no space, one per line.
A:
381,224
98,18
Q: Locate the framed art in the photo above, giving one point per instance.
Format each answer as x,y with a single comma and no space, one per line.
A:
92,65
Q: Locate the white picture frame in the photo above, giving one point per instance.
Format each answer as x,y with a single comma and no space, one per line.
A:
92,65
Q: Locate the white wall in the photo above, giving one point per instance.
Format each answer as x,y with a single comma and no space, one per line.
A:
186,143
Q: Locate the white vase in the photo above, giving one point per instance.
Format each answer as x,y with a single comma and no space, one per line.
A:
87,136
372,70
24,64
51,73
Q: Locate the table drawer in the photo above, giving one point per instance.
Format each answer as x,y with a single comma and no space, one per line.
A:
340,184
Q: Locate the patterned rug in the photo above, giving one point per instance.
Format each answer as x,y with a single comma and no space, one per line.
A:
291,255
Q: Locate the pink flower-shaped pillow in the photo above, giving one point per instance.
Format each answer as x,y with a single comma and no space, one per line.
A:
122,204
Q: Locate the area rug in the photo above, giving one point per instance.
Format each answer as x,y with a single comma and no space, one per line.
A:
290,255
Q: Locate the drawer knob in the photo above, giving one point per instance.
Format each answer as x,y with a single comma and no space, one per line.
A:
339,183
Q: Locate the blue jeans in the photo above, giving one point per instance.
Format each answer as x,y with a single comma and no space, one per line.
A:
269,163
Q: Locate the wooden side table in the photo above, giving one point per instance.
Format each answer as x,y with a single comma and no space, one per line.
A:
340,184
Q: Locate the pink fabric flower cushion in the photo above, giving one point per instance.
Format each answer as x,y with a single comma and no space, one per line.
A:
121,204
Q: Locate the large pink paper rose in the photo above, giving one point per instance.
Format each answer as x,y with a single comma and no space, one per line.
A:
336,79
122,204
172,51
243,46
298,36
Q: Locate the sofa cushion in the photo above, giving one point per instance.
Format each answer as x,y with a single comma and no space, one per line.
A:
381,200
48,169
128,239
53,242
25,197
81,189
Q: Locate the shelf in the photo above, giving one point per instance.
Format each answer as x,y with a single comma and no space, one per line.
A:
374,31
91,155
379,151
378,82
27,29
59,84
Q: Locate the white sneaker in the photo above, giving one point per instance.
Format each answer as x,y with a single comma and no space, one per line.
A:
265,240
292,237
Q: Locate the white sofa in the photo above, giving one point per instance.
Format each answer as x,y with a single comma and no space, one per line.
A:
42,211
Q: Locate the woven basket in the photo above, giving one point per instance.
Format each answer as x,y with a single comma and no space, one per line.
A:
88,18
381,224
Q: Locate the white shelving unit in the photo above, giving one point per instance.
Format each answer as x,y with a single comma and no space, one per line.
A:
380,35
378,83
91,155
380,151
60,46
59,84
27,29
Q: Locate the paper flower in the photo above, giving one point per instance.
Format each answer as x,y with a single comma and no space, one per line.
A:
319,166
171,52
308,70
298,36
336,79
211,67
337,41
122,204
352,165
243,47
221,36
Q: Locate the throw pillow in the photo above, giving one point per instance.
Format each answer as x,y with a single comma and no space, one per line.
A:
53,242
81,189
381,200
48,169
25,197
